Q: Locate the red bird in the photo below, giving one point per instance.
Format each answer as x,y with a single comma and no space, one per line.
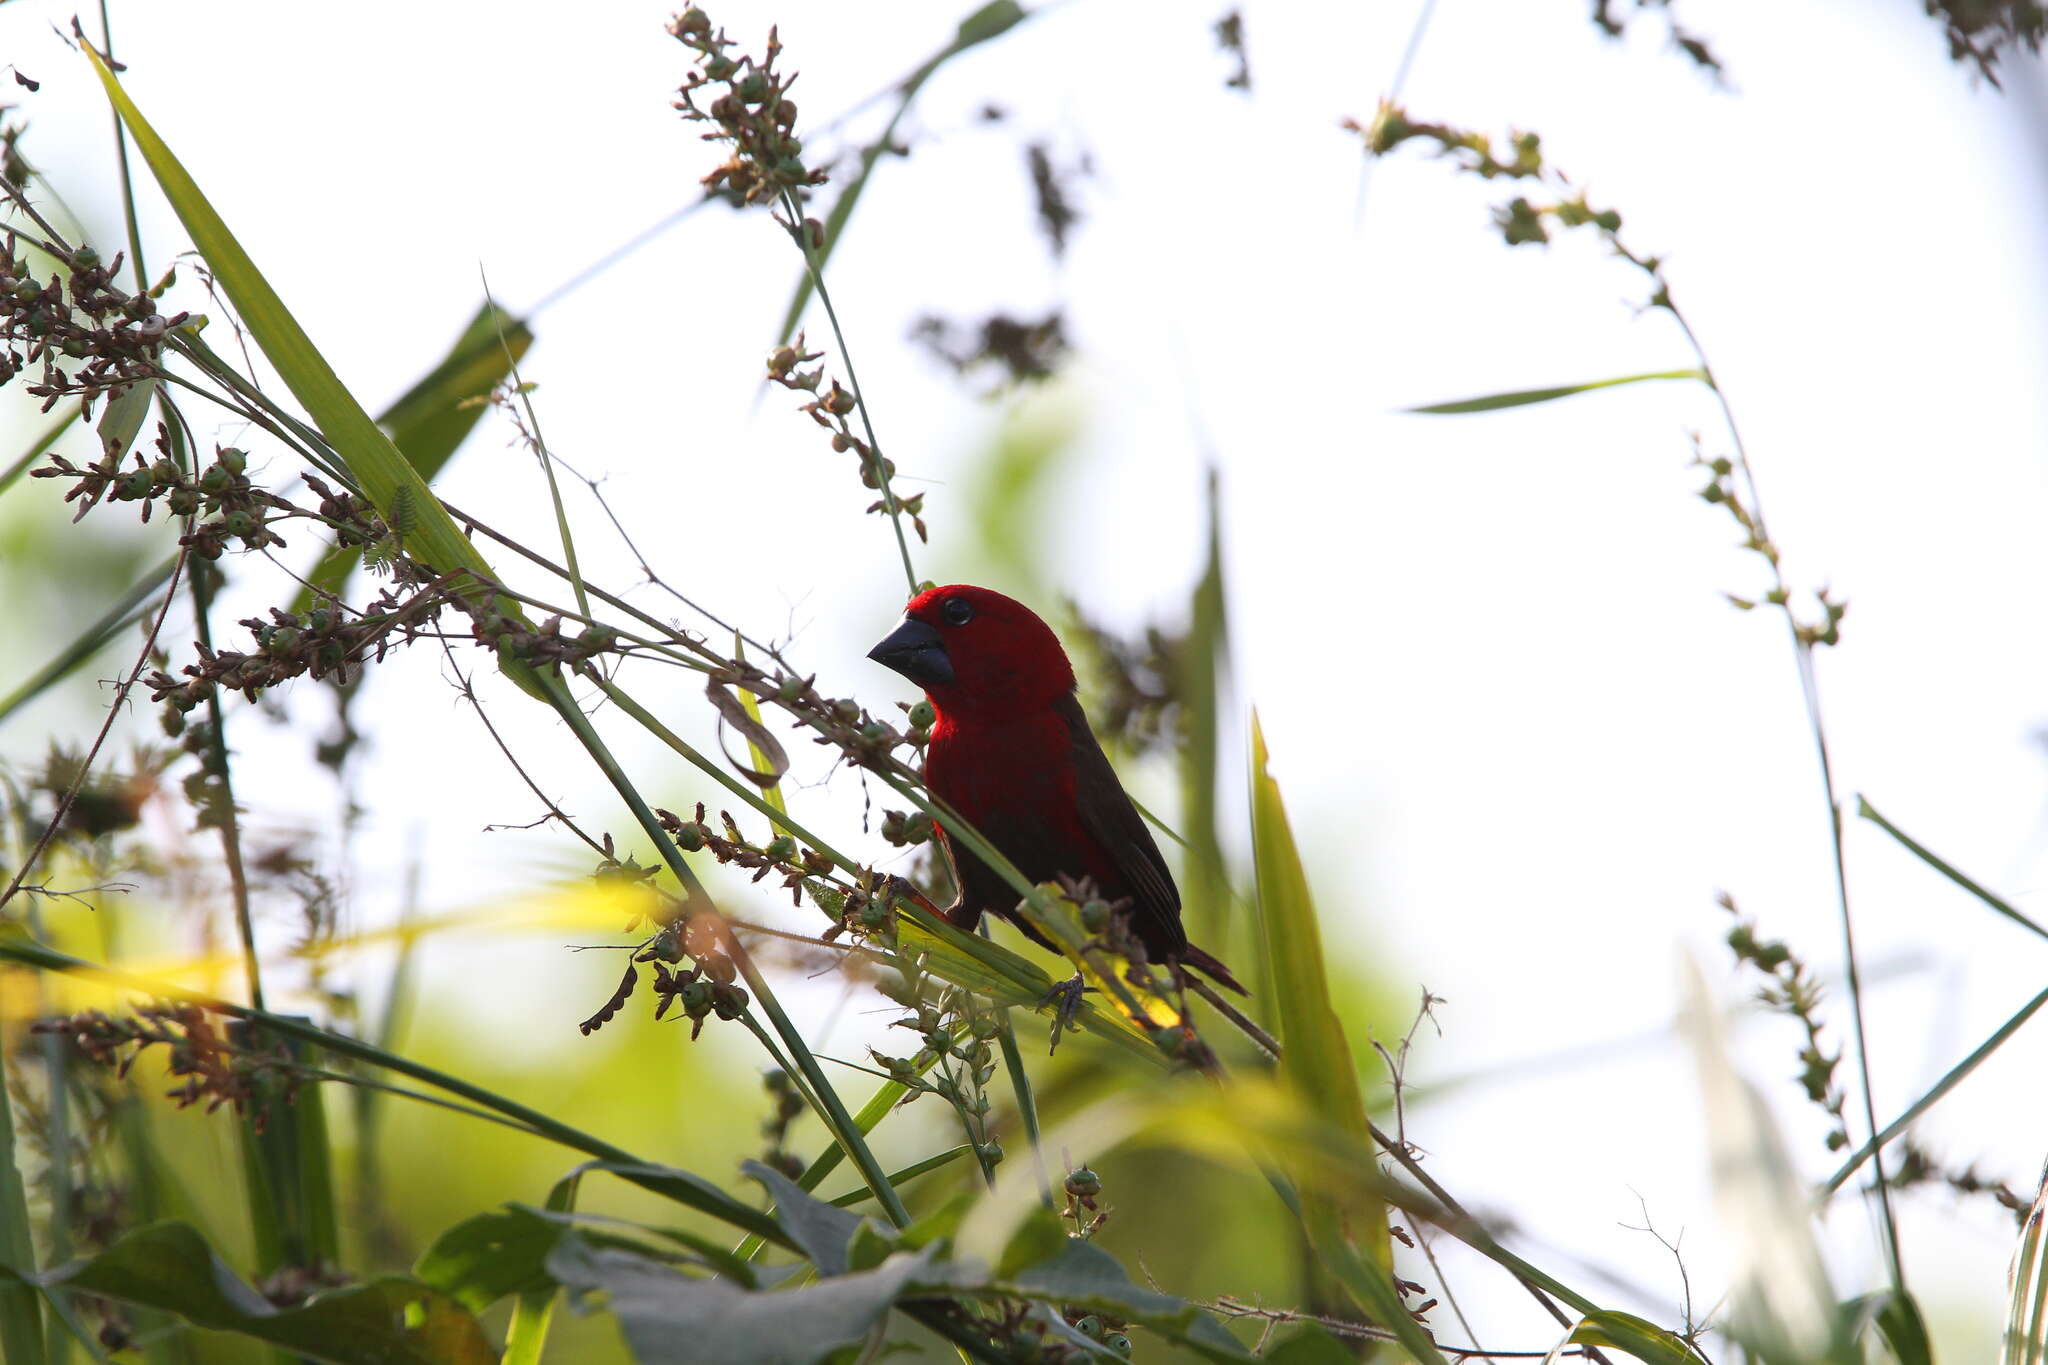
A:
1011,751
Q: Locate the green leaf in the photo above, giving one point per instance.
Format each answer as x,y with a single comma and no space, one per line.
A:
1523,397
1083,1275
386,478
1644,1340
2026,1317
1897,1319
388,1321
1316,1064
1309,1344
1038,1239
432,419
482,1259
670,1317
820,1230
123,416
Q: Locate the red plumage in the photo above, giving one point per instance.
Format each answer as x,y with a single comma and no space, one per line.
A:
1013,753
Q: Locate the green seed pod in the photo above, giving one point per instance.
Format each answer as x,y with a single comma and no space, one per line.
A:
992,1153
281,641
696,998
137,483
922,715
1090,1327
1095,916
234,461
689,839
728,1000
781,848
216,478
165,473
239,523
320,620
752,87
1084,1183
1118,1342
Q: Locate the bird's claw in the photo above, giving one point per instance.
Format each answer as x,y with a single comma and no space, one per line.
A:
1066,999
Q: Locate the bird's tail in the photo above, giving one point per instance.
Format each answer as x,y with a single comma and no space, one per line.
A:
1208,966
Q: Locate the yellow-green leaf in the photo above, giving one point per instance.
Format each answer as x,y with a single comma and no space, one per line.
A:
1316,1064
1523,397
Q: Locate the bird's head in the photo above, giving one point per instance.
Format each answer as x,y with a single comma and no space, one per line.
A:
976,651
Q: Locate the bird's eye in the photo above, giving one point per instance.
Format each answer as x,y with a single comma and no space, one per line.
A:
958,611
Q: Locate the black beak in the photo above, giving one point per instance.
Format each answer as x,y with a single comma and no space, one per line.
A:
915,650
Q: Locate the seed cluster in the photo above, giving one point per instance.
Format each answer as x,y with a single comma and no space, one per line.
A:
91,339
751,110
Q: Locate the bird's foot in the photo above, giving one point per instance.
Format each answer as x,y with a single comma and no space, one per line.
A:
1066,1000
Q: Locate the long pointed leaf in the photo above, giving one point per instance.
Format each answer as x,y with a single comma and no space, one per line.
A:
1868,812
1316,1064
1941,1087
390,482
1517,398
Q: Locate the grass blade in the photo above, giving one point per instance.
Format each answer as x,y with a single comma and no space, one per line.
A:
1941,1088
1868,812
1518,398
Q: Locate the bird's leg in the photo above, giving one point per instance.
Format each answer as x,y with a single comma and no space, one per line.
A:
1066,999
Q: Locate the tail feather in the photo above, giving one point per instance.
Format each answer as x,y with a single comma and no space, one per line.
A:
1194,957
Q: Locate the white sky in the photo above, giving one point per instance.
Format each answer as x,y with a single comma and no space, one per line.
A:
1522,734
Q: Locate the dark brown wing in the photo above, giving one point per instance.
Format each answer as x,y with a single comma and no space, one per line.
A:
1113,824
1119,832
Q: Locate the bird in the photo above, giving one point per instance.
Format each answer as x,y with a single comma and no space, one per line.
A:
1013,754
